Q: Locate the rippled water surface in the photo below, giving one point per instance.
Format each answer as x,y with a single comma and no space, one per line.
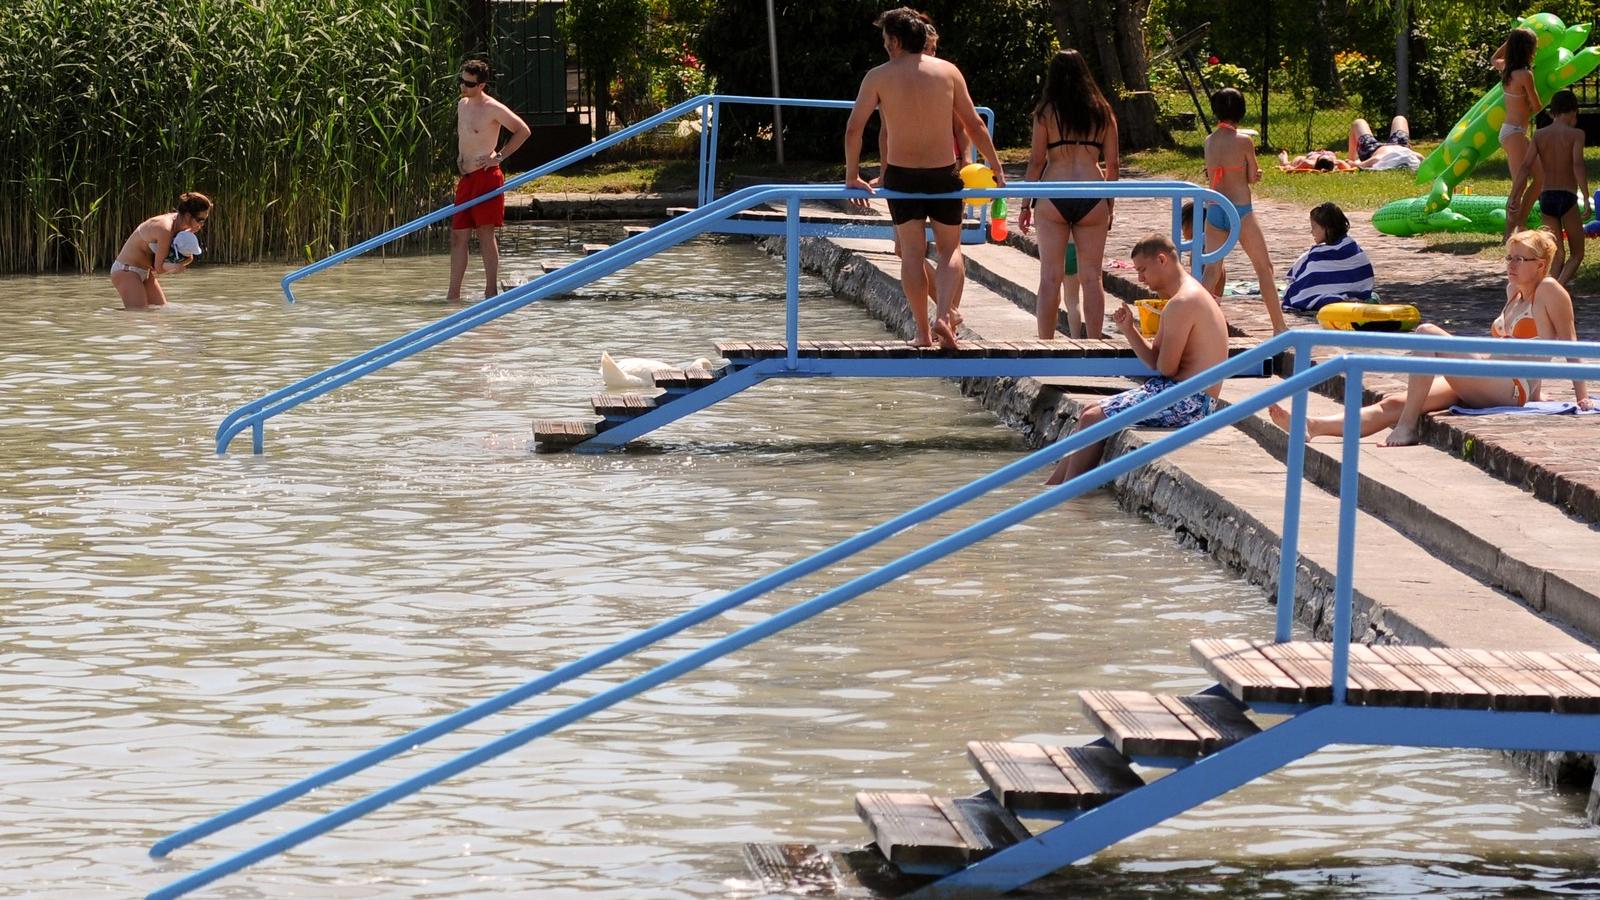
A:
180,633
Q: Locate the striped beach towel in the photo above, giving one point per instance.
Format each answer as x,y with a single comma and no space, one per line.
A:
1328,273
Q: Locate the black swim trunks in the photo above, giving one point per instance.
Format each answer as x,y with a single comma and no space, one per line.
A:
940,180
1556,204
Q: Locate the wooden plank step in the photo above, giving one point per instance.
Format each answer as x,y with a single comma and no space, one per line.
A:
802,869
684,378
1245,672
622,404
1036,777
592,249
925,834
549,265
550,435
1154,725
629,231
1414,677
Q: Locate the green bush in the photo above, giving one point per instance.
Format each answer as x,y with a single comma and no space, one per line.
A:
309,122
824,50
1226,75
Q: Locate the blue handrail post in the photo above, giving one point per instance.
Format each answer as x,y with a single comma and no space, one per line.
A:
1294,457
1349,486
700,173
791,267
258,436
711,172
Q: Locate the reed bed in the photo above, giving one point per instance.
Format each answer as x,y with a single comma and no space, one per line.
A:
310,123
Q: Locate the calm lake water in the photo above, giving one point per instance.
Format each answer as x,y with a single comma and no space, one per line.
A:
181,632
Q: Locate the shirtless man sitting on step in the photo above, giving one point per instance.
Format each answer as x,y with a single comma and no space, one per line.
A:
1191,338
919,97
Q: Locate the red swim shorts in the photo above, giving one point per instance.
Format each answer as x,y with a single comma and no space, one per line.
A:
489,212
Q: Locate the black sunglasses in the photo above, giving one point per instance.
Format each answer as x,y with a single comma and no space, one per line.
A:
466,83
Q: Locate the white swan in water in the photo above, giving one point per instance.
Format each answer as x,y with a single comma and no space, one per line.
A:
633,373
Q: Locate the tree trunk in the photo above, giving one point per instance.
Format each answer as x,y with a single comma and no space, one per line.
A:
1324,71
1110,35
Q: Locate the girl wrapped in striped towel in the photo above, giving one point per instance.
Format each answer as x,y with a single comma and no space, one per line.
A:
1333,270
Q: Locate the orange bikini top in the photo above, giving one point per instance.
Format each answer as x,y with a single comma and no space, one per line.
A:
1522,326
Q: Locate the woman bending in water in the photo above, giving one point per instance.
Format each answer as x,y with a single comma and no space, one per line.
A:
134,274
1537,306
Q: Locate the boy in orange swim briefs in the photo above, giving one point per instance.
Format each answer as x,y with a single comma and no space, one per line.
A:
479,119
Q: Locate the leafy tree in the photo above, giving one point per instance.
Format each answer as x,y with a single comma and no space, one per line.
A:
824,49
605,34
1110,35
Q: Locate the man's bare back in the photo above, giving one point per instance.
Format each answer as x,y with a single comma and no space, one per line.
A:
917,99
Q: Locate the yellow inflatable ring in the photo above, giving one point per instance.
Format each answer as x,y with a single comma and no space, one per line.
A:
1369,317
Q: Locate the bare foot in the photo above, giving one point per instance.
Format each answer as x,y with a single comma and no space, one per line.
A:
956,318
1402,436
945,334
1279,416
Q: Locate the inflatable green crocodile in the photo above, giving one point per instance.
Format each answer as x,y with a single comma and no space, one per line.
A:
1465,212
1557,64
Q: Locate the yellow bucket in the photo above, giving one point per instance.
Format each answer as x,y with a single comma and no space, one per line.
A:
1150,316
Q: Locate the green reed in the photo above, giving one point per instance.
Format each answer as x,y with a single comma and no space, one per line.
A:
311,123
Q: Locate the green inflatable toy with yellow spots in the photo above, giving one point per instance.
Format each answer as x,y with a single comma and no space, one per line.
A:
1558,63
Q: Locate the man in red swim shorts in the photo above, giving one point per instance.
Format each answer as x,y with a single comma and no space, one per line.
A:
479,119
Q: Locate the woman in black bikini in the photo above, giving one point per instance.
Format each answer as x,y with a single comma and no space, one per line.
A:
1074,131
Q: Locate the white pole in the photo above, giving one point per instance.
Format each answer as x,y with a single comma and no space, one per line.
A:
772,47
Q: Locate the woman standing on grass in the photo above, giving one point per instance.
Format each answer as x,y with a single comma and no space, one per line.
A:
1074,131
137,267
1514,59
1537,306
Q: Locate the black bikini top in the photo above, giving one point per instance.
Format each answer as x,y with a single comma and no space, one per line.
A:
1063,142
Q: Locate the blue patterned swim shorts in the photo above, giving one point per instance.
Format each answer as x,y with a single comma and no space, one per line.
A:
1190,409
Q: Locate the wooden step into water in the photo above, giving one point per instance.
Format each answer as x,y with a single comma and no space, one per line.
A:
1395,675
1034,778
622,406
629,231
929,835
549,265
592,249
552,435
1160,726
680,379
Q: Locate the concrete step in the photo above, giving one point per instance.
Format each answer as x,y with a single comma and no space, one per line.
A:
1473,520
1493,531
1231,502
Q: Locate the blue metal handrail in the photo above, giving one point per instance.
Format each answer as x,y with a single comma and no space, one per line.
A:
254,414
1352,367
705,190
